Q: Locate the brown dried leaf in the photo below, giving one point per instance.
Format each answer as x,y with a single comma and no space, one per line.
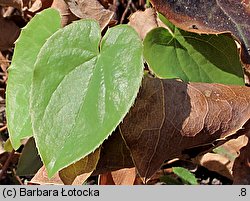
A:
9,32
114,155
223,159
19,4
143,21
171,118
39,5
124,176
66,15
90,9
80,170
106,179
241,168
4,63
210,17
217,163
41,177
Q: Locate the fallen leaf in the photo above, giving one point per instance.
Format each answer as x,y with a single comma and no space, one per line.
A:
106,179
19,4
39,5
143,21
241,168
41,177
222,160
9,32
217,163
66,15
170,117
90,9
125,176
114,155
81,169
192,57
210,17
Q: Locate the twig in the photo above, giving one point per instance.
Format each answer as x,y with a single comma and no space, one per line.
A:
133,7
6,164
125,11
3,128
17,177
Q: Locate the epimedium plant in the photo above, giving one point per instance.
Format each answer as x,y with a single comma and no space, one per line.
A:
70,87
193,57
77,90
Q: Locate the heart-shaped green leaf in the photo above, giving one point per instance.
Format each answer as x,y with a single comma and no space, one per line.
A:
80,93
175,53
20,73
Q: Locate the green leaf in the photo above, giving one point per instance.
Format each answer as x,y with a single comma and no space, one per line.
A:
20,73
168,180
193,57
80,93
185,175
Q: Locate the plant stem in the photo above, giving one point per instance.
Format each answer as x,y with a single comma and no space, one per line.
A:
6,164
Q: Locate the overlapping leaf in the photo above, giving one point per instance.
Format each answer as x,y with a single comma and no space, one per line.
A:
174,53
124,176
170,118
29,162
82,168
20,74
86,9
241,168
114,155
209,16
89,90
